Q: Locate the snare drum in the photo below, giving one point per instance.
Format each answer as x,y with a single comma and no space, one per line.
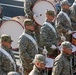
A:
49,63
40,9
13,28
74,38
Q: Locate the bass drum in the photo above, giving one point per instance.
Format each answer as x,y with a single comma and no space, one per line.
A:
74,38
13,28
20,19
40,8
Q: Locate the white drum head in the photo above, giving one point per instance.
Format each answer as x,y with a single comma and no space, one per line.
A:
74,35
40,8
12,28
74,38
49,63
74,48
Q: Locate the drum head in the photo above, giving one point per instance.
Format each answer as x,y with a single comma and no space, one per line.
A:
12,28
40,8
74,38
49,63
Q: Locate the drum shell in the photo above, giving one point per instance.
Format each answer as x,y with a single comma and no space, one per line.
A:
19,19
12,28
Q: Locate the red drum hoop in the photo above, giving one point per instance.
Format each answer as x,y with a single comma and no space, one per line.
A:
20,19
74,38
13,28
39,8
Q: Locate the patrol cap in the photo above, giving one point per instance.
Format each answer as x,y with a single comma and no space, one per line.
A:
6,38
67,45
13,73
39,58
65,2
28,22
50,12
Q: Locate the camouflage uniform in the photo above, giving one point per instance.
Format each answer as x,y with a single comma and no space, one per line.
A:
63,22
73,15
37,71
28,5
5,64
48,37
62,64
27,48
73,20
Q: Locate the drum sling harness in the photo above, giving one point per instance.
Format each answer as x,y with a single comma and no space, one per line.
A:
9,56
32,39
50,26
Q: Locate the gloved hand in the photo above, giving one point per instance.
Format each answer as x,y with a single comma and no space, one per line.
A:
45,50
53,47
63,38
35,15
69,32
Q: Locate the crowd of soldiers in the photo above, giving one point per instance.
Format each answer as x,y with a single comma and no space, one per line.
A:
57,29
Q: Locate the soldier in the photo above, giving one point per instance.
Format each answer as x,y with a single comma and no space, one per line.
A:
39,65
48,36
7,59
28,5
62,64
13,73
73,15
27,46
63,22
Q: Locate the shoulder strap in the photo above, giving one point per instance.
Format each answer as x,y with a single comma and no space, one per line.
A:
32,39
50,26
9,56
66,16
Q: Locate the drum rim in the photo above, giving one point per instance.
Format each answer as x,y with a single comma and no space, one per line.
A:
36,3
12,20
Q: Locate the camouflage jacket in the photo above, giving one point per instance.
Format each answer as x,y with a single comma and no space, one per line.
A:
37,71
28,5
62,65
48,37
5,64
63,23
73,16
27,50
